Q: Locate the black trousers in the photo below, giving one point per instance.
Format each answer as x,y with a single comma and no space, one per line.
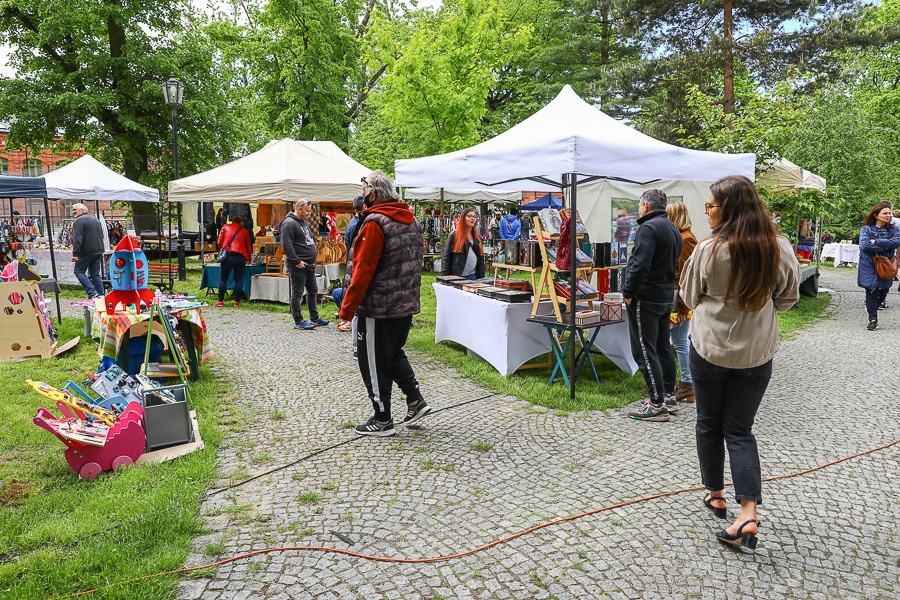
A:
303,280
234,261
727,401
648,325
874,299
382,362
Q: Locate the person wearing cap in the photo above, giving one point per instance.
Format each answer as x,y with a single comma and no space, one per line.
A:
87,250
385,277
300,255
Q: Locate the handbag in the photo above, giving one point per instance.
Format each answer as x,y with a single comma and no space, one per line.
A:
886,268
223,253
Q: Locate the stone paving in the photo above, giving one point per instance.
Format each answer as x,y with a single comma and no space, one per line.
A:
476,473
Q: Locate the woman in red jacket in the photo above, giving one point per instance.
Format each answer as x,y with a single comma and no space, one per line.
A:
235,239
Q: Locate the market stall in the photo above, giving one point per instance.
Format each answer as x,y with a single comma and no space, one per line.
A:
563,147
841,254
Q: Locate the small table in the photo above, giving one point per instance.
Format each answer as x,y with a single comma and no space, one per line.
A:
582,334
841,253
809,281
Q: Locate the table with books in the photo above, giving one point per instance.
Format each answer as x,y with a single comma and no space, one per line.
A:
500,332
582,336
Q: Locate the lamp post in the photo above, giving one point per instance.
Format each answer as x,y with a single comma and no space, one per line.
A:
173,92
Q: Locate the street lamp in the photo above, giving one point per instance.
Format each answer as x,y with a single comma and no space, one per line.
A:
173,92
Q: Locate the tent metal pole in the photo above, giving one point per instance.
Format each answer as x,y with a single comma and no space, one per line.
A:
571,182
202,233
52,259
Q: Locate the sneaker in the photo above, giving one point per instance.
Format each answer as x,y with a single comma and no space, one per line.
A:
219,304
883,306
237,304
873,325
416,411
671,404
304,325
648,411
345,326
373,427
319,321
684,392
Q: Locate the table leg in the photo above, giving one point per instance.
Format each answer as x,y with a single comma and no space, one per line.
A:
560,354
584,356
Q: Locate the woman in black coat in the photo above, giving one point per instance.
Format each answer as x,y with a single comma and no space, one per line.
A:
463,254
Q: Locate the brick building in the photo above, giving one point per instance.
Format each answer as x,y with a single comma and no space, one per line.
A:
21,163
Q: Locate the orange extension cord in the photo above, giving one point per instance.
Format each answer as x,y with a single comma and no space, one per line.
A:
473,550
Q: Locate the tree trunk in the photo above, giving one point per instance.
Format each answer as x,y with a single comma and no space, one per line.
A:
728,102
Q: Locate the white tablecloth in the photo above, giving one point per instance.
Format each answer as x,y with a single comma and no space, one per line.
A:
848,253
278,289
499,332
65,268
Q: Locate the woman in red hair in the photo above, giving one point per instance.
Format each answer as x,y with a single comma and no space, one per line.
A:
463,254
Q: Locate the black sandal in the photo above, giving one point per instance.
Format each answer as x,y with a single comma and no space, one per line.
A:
739,539
708,502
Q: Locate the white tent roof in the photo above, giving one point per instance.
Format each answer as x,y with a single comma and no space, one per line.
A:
568,136
782,173
283,171
482,196
89,179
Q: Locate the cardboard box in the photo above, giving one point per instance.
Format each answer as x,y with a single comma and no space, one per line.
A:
611,311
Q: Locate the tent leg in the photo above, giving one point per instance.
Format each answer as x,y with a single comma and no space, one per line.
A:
52,259
570,183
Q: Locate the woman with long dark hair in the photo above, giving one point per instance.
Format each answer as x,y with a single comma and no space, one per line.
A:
734,282
463,254
878,237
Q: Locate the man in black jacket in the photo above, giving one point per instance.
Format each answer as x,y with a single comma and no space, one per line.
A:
300,256
87,250
649,290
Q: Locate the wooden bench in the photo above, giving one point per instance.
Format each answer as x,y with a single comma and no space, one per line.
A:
162,275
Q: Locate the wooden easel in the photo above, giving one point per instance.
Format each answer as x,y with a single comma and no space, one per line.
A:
546,279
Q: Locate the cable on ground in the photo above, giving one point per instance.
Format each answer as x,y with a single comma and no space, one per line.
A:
497,542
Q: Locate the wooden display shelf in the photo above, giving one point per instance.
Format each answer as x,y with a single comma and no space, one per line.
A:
531,270
546,279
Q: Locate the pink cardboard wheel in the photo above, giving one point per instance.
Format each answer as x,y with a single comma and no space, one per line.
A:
90,470
121,461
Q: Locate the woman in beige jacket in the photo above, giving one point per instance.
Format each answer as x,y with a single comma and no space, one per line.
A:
734,282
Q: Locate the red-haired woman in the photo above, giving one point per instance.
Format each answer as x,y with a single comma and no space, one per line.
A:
878,237
463,254
734,282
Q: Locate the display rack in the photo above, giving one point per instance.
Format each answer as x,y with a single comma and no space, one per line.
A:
546,280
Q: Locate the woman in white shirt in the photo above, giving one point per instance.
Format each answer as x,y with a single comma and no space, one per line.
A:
734,282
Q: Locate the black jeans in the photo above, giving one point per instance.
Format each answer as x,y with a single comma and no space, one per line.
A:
874,298
727,401
303,280
648,325
382,362
234,261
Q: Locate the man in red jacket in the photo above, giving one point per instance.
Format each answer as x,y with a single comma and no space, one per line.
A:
385,273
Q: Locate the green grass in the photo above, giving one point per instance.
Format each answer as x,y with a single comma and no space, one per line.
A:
806,312
60,535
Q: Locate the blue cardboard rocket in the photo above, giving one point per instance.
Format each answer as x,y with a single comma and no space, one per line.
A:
128,276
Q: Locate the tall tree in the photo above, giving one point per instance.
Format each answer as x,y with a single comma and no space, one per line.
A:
92,71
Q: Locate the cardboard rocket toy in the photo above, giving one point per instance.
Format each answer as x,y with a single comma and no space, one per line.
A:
128,276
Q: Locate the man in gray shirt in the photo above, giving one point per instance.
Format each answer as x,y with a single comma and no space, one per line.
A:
87,250
300,255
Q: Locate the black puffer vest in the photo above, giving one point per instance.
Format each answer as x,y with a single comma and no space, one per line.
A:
394,289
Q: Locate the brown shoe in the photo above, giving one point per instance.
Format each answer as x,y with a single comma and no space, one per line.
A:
684,392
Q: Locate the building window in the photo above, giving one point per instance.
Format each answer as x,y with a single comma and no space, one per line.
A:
4,166
62,163
34,206
32,168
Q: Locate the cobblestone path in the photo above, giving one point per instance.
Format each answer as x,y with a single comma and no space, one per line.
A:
491,468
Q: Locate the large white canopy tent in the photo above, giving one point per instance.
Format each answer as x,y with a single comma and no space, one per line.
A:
567,145
88,179
569,136
283,171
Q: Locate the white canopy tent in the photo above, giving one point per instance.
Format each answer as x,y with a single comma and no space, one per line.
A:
477,196
88,179
283,171
782,173
569,136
